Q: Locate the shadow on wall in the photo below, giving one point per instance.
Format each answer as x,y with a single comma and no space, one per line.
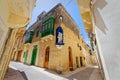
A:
99,5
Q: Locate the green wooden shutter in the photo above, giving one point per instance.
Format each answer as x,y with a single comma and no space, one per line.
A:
25,56
34,54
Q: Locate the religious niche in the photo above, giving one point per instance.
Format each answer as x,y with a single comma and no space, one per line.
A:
59,36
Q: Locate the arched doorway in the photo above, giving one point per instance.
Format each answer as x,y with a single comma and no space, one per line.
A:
47,51
70,58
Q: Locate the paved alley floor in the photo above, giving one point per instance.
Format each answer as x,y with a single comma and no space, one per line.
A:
36,73
14,75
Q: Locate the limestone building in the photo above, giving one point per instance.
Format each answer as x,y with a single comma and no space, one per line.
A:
54,42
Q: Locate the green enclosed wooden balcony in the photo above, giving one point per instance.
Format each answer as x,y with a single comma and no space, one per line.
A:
29,36
48,27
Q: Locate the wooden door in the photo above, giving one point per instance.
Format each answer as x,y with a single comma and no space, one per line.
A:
46,57
77,64
70,58
19,55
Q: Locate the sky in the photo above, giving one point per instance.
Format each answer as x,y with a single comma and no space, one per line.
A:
70,6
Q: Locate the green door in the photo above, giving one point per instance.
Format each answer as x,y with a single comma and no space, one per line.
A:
34,54
25,56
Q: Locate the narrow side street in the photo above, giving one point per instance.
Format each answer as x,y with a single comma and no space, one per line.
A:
36,73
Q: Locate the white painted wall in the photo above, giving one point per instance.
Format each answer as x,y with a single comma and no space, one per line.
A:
107,18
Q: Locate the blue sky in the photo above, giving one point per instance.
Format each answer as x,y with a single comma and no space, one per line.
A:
71,7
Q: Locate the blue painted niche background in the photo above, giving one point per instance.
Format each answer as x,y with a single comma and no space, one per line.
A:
59,30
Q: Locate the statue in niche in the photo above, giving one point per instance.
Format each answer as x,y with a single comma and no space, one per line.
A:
60,38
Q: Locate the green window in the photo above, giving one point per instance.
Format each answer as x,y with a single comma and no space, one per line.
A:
47,27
